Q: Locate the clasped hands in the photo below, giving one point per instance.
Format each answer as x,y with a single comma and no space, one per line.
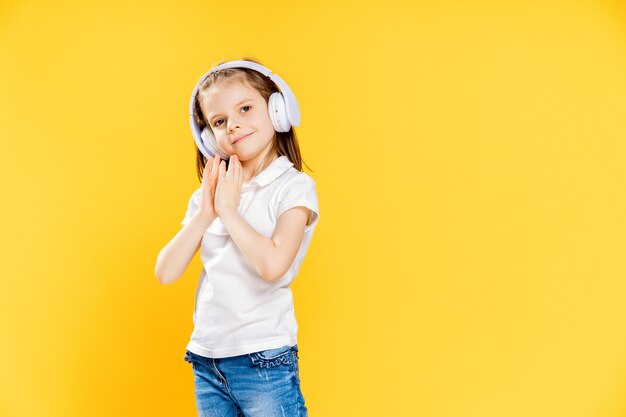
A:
220,189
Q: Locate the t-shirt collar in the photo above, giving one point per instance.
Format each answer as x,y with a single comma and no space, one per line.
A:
272,171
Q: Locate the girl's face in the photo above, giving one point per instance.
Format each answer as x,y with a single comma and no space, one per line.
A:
234,110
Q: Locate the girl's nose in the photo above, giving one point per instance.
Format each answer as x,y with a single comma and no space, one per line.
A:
232,124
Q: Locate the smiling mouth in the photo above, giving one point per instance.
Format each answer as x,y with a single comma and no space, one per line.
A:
242,137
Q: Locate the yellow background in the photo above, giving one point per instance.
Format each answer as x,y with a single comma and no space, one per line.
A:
470,164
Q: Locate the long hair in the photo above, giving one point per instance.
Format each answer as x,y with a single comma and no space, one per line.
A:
284,143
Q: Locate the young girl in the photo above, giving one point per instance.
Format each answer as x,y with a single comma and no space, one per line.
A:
252,219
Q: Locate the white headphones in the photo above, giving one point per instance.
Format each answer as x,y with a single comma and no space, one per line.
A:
282,107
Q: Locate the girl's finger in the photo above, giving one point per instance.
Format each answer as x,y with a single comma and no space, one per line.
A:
222,171
209,163
231,165
215,168
205,173
238,173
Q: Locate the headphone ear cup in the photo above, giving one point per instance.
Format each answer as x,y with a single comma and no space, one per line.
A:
211,144
278,112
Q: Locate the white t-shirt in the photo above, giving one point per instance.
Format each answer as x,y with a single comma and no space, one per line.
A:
236,311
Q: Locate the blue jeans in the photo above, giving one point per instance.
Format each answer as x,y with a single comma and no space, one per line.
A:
259,384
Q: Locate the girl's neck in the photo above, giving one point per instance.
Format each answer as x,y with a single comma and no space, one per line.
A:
254,167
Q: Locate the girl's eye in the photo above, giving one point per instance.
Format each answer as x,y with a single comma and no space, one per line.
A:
215,123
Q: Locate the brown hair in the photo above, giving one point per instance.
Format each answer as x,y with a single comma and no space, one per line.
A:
285,143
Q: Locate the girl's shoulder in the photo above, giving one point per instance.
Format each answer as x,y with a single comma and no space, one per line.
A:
293,174
297,188
294,179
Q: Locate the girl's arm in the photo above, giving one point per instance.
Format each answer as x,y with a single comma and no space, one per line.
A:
174,258
273,256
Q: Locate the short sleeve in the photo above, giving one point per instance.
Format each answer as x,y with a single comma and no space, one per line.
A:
192,206
300,191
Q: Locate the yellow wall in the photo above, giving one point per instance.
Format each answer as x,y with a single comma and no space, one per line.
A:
470,164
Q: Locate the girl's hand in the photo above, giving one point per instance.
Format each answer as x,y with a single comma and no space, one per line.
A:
229,185
207,189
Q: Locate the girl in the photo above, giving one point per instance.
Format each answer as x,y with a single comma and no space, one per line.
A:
252,218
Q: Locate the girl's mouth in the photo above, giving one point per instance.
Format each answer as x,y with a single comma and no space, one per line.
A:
242,138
